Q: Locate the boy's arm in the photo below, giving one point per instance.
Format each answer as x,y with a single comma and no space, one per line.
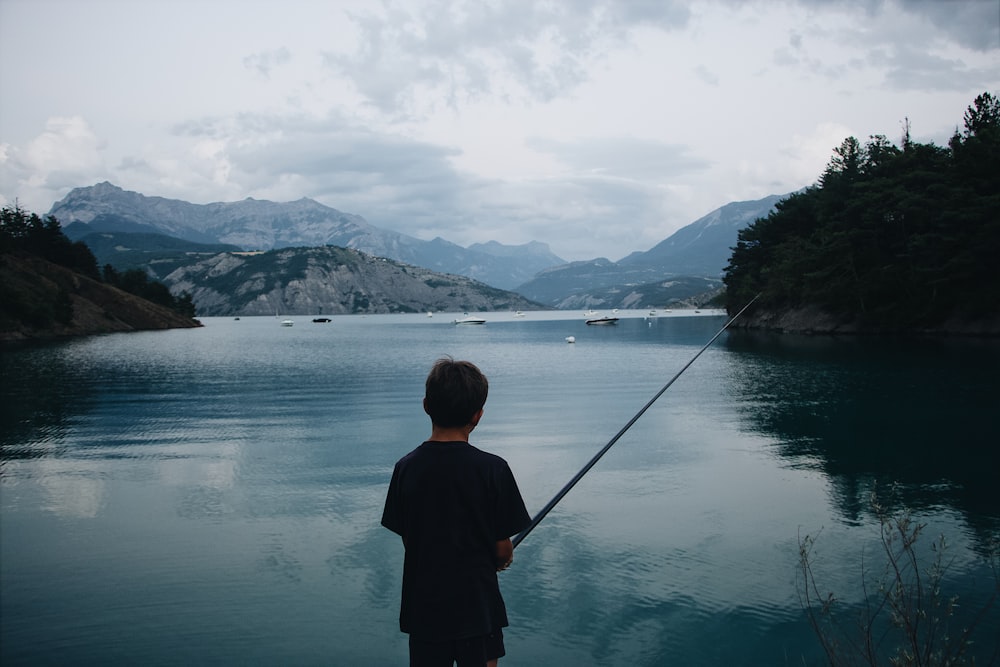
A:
505,554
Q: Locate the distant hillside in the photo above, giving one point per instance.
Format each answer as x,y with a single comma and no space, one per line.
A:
690,262
329,280
264,225
41,300
157,254
684,291
703,247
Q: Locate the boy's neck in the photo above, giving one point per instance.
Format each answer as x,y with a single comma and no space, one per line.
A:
451,434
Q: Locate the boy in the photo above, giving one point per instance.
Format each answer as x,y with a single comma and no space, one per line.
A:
455,507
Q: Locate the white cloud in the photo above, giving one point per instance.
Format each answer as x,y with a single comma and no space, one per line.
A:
598,127
63,154
264,62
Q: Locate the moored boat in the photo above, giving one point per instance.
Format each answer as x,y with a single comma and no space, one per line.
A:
469,319
603,321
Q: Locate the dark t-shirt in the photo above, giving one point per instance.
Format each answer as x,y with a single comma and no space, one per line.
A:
452,503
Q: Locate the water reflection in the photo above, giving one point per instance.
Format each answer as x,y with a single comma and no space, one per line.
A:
213,495
37,403
864,412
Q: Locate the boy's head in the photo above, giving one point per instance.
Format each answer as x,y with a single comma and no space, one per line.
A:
454,393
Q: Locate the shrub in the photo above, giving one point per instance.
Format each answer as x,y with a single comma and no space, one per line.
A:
906,619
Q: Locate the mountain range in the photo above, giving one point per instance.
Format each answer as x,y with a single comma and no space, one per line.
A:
689,262
328,280
253,224
122,227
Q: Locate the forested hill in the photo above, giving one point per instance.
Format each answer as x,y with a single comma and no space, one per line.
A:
892,238
51,287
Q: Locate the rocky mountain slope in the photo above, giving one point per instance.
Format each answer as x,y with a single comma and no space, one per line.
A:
689,262
702,248
686,264
264,225
329,280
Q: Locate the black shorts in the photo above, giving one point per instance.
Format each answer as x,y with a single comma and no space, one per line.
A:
471,652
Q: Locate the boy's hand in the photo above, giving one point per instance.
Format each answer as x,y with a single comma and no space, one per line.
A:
505,554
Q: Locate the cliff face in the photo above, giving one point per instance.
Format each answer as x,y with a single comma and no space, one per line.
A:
329,280
40,300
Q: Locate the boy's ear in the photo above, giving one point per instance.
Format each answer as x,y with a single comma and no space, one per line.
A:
476,417
425,407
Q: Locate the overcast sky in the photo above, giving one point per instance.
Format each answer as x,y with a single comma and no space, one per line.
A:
597,127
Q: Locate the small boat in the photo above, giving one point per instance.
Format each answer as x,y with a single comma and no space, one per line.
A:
590,313
519,314
570,339
322,319
287,323
603,321
430,314
468,319
652,313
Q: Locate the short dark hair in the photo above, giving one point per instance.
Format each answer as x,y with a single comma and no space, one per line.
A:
454,392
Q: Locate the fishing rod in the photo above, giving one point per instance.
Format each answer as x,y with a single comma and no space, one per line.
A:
590,464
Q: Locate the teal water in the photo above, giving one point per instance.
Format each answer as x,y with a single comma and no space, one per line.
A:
213,496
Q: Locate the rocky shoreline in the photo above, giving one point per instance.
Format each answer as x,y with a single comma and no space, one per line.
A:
815,321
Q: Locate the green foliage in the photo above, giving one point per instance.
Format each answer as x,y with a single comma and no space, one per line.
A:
906,618
27,232
890,238
34,306
136,281
159,255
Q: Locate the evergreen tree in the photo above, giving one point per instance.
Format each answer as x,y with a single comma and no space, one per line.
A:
21,231
890,238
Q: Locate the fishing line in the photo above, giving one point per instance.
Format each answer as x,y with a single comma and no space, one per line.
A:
590,464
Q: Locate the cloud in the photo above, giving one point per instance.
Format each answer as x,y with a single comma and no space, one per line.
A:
461,51
597,126
975,23
263,62
624,157
413,187
390,177
63,154
917,69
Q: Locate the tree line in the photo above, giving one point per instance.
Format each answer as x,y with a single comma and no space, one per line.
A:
891,237
21,231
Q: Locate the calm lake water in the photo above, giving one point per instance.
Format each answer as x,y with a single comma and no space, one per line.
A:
213,496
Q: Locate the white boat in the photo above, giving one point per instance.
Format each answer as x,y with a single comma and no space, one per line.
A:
287,323
519,314
570,339
469,319
591,313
